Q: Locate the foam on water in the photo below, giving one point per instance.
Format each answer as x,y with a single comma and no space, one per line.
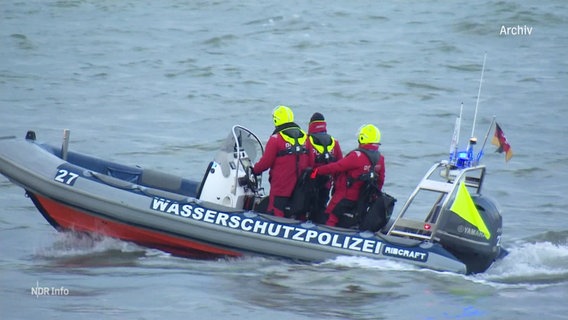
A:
541,263
73,244
368,263
528,265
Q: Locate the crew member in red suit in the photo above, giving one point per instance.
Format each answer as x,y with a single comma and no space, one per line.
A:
347,185
286,156
322,149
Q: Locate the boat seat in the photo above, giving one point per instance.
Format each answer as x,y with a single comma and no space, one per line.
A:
160,180
112,181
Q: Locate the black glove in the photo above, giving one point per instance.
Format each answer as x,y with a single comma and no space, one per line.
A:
249,179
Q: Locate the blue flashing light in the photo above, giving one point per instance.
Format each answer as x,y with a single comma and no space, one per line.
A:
464,159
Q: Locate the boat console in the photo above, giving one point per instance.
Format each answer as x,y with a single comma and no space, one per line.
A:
228,180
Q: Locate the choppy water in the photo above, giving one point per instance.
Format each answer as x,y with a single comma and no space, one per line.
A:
159,83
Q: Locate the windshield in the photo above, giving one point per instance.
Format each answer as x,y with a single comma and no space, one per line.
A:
242,144
249,142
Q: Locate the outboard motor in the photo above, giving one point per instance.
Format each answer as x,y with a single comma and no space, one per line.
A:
466,242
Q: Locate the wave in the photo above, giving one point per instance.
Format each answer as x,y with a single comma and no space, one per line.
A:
531,264
72,249
528,171
471,67
427,86
23,42
537,262
368,263
540,260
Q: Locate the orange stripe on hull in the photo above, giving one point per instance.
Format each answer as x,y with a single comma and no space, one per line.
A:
69,218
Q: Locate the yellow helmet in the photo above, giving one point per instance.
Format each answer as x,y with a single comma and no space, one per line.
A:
282,115
369,134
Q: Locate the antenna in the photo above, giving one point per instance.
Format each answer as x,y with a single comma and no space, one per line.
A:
478,94
456,137
465,158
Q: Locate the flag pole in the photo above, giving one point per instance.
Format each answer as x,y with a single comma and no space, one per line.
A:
480,154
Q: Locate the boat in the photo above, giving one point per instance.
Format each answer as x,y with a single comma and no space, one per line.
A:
222,214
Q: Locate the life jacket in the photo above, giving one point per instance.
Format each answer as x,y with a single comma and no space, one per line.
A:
371,176
323,143
298,202
374,208
296,138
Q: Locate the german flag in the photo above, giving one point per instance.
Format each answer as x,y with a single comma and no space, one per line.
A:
501,142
